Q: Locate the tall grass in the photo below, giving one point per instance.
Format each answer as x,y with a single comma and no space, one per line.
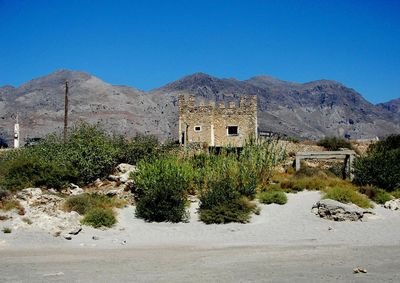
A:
223,181
228,177
347,195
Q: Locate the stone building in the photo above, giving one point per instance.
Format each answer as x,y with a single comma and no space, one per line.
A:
217,125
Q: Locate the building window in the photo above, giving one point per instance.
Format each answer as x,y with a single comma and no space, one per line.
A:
197,128
232,131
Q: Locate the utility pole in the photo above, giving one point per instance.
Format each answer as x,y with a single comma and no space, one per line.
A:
66,111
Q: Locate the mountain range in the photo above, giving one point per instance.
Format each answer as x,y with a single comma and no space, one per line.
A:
305,110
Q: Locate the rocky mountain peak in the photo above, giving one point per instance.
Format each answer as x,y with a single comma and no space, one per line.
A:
392,106
308,110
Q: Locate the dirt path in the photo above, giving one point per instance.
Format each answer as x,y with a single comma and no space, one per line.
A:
192,264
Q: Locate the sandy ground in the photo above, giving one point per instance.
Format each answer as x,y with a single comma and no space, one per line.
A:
282,244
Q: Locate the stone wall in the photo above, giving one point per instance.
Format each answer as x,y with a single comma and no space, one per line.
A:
208,123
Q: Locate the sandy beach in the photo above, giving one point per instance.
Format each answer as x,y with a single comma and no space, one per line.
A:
284,243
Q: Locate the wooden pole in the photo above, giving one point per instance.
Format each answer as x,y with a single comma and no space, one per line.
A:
66,111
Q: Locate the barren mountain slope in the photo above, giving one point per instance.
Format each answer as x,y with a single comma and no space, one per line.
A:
310,110
40,104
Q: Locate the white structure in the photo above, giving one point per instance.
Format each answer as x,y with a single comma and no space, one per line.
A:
16,134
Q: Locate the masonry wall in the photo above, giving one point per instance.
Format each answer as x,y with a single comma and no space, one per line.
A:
215,119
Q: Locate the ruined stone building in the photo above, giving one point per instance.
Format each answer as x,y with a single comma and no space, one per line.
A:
217,125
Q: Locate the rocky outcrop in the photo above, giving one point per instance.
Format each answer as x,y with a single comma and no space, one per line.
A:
44,211
122,172
116,185
337,211
393,204
72,190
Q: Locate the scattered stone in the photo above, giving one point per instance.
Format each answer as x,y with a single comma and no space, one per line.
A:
52,191
123,242
67,237
359,270
53,274
29,193
122,172
330,228
4,217
337,211
57,234
114,178
113,193
75,190
98,183
75,231
129,186
95,238
393,204
125,168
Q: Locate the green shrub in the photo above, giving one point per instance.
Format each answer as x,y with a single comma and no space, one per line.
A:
293,139
380,166
10,204
140,147
258,160
163,183
271,187
87,154
6,230
99,217
336,170
269,197
381,197
221,182
237,210
334,143
377,195
347,195
396,194
219,177
86,202
91,152
28,169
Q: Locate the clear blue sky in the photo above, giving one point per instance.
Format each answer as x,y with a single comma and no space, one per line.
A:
148,43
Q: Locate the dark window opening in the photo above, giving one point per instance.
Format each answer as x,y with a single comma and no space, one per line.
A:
197,128
183,138
233,130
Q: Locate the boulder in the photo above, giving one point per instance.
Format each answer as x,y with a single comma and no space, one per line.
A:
75,190
393,204
126,168
114,178
122,172
337,211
